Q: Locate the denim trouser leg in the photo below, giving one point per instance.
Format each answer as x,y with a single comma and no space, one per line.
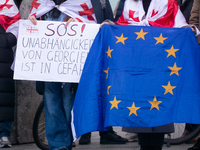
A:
58,106
5,129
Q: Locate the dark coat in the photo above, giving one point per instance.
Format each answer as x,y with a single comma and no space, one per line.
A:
7,90
185,7
161,129
102,13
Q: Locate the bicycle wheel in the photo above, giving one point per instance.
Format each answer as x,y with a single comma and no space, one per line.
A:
39,134
175,138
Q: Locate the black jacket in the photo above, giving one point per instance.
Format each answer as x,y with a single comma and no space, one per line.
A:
7,90
102,13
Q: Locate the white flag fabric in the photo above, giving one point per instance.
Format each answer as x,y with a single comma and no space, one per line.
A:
165,13
80,10
9,16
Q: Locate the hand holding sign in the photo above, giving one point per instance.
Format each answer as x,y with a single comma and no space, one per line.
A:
50,52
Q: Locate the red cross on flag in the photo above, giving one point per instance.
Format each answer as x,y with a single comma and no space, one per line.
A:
80,10
9,16
165,13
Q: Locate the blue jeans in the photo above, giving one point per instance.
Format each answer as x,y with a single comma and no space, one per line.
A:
5,129
58,100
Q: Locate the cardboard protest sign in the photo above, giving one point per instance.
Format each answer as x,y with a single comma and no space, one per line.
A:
50,52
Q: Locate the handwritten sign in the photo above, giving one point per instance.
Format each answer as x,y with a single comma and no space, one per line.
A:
51,52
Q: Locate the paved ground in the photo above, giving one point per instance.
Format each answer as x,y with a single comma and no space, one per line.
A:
96,146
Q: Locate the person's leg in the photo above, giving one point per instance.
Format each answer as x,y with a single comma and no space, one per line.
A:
68,96
5,129
144,141
55,119
156,140
151,141
4,134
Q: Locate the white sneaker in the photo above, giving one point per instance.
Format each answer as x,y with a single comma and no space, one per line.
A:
4,142
132,137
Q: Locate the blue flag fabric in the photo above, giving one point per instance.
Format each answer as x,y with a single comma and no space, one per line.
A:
137,76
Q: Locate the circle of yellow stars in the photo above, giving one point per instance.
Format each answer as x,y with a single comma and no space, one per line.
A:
168,88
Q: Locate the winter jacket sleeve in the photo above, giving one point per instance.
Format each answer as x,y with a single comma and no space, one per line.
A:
12,40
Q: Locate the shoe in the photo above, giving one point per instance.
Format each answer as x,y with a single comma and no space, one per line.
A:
85,139
110,137
5,143
196,146
73,144
131,137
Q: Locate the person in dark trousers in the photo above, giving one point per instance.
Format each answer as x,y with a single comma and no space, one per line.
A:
107,137
8,35
150,138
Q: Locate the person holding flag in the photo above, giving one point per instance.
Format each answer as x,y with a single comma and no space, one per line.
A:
165,13
195,20
9,17
59,97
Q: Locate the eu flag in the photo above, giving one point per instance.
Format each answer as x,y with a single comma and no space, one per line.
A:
137,76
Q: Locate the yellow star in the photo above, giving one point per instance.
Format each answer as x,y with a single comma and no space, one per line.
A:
175,69
141,34
171,51
121,39
160,39
133,109
106,71
154,103
168,88
108,89
114,103
109,52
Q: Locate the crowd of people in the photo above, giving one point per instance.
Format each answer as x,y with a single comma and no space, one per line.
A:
58,96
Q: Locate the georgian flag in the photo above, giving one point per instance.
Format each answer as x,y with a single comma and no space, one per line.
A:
9,16
165,13
80,10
